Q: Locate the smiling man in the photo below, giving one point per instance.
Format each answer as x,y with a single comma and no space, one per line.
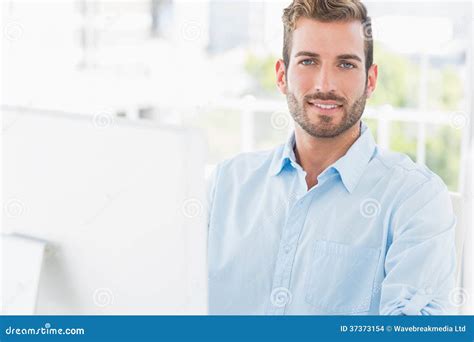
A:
328,223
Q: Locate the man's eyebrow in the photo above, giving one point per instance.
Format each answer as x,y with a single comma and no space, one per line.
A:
316,55
307,53
349,56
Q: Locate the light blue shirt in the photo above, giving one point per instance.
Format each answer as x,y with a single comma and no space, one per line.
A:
374,236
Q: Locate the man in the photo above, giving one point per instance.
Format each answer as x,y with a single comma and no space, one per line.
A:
328,223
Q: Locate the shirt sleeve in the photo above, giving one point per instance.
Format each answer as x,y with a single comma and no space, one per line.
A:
420,263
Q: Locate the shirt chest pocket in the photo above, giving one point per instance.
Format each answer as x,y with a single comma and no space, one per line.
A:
341,278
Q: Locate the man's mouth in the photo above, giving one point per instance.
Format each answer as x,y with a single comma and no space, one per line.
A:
327,107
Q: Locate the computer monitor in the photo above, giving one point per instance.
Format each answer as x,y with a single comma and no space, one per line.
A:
120,205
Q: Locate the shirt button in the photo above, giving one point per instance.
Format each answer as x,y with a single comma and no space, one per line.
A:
287,249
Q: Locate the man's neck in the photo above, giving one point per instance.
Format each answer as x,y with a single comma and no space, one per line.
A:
316,154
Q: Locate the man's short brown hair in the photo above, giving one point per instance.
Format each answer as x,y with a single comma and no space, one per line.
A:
327,11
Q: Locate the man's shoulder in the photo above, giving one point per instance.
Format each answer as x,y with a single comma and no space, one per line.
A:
403,169
245,163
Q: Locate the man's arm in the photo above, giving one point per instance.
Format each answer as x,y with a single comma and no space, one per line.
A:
420,264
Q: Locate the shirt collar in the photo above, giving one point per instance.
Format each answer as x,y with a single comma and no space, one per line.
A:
284,156
350,166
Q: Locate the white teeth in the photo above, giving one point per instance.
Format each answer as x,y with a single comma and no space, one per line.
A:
323,106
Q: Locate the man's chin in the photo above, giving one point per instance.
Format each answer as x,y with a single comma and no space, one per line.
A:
326,123
324,131
324,127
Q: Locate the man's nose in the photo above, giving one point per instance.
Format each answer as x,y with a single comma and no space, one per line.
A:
324,80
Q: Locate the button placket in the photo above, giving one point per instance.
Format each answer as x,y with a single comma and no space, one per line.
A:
285,258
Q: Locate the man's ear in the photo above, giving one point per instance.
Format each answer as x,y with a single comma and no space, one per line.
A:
372,79
281,76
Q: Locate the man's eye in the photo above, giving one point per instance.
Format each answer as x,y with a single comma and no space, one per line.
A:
346,65
307,62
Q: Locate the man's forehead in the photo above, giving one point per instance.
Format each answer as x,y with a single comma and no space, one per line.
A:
310,23
337,37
